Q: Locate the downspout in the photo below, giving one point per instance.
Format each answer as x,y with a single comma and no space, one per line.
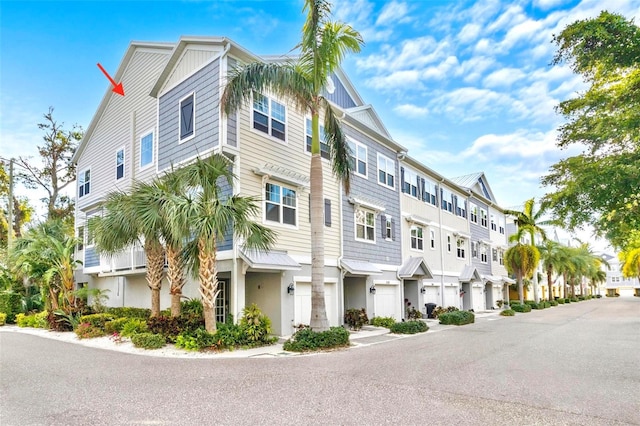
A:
439,201
222,135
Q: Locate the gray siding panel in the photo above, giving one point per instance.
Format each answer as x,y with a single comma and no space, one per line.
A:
204,83
340,96
226,191
232,119
478,233
383,251
91,257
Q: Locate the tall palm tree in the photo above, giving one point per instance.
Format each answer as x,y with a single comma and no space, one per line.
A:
129,219
521,259
204,212
529,221
555,259
324,45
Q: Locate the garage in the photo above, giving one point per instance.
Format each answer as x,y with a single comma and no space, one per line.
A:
478,302
386,301
451,296
432,295
302,314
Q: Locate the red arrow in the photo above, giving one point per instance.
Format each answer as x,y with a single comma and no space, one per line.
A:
117,88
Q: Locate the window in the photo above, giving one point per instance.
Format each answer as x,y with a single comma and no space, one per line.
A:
474,249
324,148
483,218
358,158
501,256
146,150
460,244
446,198
449,243
473,213
388,228
416,238
80,245
483,253
84,183
187,118
501,225
410,182
365,225
429,191
269,116
327,211
386,171
120,164
494,255
280,204
494,225
432,236
460,206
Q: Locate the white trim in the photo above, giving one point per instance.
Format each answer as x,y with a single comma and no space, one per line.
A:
366,159
421,238
279,224
164,90
78,186
355,225
193,116
395,178
386,282
268,134
124,163
307,279
367,204
420,220
153,150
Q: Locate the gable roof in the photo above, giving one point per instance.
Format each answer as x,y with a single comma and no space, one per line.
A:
367,115
133,46
476,183
414,267
469,273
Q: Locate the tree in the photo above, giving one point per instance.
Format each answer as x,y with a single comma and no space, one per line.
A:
630,256
22,211
129,219
528,221
324,45
595,187
555,259
57,171
521,260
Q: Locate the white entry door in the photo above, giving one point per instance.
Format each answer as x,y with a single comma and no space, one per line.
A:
478,300
386,301
451,297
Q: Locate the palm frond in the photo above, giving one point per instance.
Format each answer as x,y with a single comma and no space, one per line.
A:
339,149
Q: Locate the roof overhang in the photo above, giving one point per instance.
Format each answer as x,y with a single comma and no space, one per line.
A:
469,274
269,260
359,267
415,267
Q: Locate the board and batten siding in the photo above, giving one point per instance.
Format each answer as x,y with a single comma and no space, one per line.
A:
206,88
479,232
412,206
192,59
383,251
340,96
232,119
114,128
257,149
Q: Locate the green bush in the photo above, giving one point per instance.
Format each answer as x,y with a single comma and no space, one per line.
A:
309,340
116,325
148,341
581,298
552,303
413,314
508,313
172,327
23,320
97,320
10,304
196,341
255,325
134,326
383,322
229,335
599,296
127,312
560,300
521,308
575,299
439,310
409,327
356,318
3,318
457,318
192,306
88,331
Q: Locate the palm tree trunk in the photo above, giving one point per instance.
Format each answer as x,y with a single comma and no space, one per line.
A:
319,321
175,275
564,286
550,283
208,275
520,287
155,269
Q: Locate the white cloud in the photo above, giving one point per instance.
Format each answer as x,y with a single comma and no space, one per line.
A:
393,13
521,144
442,70
548,4
398,79
470,103
469,32
411,111
504,77
507,19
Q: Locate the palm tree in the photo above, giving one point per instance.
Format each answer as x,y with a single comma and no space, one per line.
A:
529,221
323,47
555,258
521,259
630,262
129,219
207,215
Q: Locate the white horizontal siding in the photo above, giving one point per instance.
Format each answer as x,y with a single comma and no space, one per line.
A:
193,58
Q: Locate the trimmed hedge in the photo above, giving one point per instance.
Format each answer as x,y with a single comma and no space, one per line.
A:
116,325
508,313
148,341
409,327
308,340
560,301
97,320
553,303
127,312
383,322
10,304
521,308
457,318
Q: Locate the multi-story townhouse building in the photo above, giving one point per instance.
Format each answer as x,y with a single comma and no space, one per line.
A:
487,225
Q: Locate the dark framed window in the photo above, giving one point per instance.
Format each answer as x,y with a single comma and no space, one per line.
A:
120,164
187,117
84,183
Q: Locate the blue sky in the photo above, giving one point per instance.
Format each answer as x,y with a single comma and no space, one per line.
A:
466,86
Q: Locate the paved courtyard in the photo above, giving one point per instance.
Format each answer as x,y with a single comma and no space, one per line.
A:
576,365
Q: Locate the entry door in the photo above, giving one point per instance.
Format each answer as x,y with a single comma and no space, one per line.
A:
222,302
386,301
478,303
302,308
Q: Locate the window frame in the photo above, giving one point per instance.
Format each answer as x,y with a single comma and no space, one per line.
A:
460,248
183,139
473,213
270,118
365,226
483,253
388,228
386,160
432,238
80,236
492,222
83,183
153,151
448,243
281,205
413,185
356,158
417,239
308,134
483,218
122,164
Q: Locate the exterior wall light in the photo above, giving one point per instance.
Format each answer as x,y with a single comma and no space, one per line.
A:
423,290
291,289
372,289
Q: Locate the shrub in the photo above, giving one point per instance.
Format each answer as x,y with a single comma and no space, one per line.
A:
60,321
255,325
560,301
10,304
355,318
97,320
116,325
23,320
599,296
567,300
413,314
552,303
439,310
3,318
383,322
521,308
575,299
192,306
409,327
88,331
309,340
581,298
229,335
508,313
196,341
172,327
148,341
134,326
457,318
127,312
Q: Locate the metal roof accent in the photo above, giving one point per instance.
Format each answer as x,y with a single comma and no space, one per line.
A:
415,267
359,267
469,274
275,260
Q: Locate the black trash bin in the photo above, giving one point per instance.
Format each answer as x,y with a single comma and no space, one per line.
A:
430,308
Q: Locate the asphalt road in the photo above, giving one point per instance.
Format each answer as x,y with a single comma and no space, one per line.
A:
577,365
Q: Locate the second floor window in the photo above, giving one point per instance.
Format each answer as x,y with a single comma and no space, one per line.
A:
120,164
187,117
501,256
146,150
358,158
280,204
432,237
410,182
324,148
483,217
460,246
494,225
473,213
474,249
386,171
388,229
365,225
269,116
84,183
417,242
446,198
483,253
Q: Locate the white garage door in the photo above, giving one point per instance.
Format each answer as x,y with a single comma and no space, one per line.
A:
451,297
478,302
432,296
302,314
386,301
